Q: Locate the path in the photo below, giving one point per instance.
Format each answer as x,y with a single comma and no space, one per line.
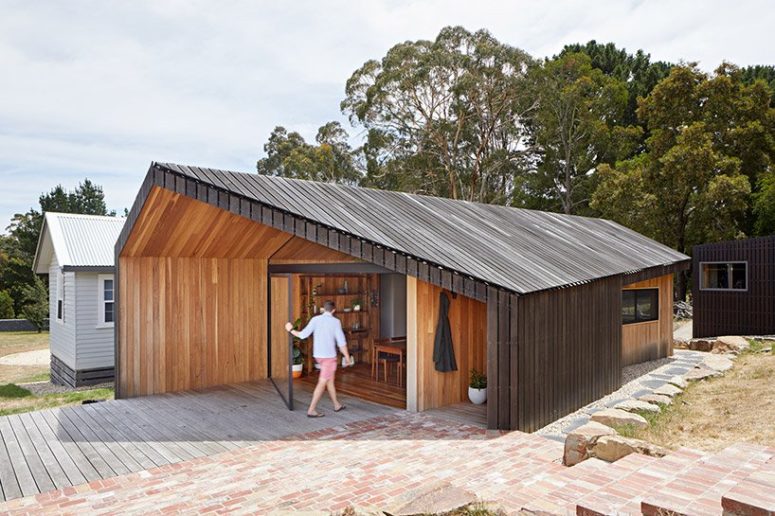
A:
36,358
56,448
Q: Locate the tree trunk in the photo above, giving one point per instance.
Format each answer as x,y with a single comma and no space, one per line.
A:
682,282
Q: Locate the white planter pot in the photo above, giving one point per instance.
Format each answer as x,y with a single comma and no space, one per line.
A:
477,396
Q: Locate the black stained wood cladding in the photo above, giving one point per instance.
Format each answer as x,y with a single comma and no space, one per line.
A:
749,312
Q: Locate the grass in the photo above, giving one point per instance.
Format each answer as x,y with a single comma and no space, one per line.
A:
31,402
17,342
715,413
13,391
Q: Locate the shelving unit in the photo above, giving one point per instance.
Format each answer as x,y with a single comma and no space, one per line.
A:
359,326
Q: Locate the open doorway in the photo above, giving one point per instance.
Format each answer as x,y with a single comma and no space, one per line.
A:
371,305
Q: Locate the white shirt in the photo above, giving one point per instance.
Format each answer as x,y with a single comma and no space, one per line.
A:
326,330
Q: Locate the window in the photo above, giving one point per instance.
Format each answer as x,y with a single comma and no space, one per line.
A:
60,296
105,300
724,276
640,305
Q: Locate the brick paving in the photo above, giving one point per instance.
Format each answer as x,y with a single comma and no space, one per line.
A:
384,462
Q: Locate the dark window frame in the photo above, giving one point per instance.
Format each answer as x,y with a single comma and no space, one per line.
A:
727,263
652,292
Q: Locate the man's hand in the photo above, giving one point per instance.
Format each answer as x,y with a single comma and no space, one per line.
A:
288,326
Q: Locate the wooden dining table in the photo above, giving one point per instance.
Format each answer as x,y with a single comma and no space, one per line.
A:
395,346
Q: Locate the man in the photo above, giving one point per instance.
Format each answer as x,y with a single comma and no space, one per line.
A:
328,335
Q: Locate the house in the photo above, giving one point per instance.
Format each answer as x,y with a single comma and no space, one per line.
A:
76,251
211,264
733,291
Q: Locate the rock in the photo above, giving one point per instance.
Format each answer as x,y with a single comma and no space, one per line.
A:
668,390
699,373
656,398
700,345
678,381
614,447
717,363
578,441
637,405
430,498
730,343
616,417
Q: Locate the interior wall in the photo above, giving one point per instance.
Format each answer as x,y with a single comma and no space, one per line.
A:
190,322
651,340
428,388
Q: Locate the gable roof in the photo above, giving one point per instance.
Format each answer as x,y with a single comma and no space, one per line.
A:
516,249
77,241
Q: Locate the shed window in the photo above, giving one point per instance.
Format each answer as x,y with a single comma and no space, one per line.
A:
640,305
724,276
106,300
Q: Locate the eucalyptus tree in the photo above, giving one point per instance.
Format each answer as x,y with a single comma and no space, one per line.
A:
444,117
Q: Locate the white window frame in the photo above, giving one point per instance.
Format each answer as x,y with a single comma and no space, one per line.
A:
60,297
101,301
723,262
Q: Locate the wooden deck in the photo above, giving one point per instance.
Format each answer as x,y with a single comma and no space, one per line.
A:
55,448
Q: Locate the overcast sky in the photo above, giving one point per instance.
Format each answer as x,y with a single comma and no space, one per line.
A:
100,89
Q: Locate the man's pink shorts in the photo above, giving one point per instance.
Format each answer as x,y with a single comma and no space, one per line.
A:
327,367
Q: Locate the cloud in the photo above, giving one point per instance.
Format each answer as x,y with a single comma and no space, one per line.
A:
100,89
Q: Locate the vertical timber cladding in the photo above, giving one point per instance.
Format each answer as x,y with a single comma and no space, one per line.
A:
502,374
190,322
644,341
568,352
749,312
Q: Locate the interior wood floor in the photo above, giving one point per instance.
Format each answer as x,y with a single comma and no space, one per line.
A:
465,413
357,381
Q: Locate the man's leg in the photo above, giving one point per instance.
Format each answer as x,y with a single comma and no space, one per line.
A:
332,393
316,395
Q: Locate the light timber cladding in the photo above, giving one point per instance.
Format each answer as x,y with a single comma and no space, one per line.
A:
468,322
650,340
189,323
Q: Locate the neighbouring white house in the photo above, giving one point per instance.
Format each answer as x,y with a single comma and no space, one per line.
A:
77,253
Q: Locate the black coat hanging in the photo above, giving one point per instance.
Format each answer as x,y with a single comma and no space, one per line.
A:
443,351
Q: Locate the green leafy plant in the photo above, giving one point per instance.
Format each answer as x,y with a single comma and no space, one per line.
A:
298,356
478,380
357,302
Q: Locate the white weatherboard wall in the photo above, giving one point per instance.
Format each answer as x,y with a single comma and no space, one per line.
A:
95,342
62,333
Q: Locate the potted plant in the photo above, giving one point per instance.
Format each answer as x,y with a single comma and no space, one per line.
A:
356,305
477,388
298,357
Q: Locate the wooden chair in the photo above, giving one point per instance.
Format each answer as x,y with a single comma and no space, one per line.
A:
389,351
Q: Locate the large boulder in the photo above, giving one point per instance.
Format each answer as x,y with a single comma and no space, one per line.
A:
637,406
614,447
699,373
730,344
668,390
656,398
578,441
617,417
700,344
717,363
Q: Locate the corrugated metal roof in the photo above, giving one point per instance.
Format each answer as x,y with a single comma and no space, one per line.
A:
517,249
83,240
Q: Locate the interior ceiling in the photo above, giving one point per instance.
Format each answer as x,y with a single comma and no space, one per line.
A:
171,224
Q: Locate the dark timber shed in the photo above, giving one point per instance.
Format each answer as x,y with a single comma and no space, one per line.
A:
733,287
560,303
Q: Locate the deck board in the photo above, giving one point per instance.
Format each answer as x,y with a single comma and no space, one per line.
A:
60,447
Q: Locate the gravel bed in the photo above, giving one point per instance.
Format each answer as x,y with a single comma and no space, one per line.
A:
43,388
632,378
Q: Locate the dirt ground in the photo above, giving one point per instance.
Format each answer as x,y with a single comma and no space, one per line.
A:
17,342
712,414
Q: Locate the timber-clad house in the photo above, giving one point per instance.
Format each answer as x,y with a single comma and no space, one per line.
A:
211,264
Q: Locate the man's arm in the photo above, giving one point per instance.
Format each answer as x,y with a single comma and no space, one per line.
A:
303,334
341,342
